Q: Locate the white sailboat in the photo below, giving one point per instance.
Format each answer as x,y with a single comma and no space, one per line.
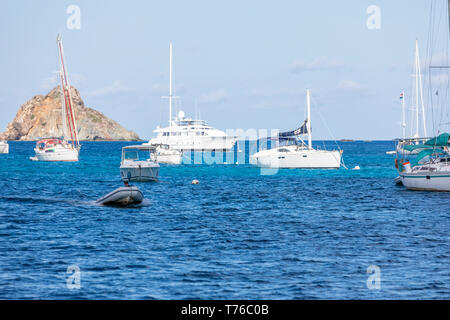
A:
59,148
185,133
430,169
4,147
418,108
296,153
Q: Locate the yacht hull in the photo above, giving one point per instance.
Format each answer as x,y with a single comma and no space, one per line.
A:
428,182
201,143
140,173
58,154
4,148
306,159
169,158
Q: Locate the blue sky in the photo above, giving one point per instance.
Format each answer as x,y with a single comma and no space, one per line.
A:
241,64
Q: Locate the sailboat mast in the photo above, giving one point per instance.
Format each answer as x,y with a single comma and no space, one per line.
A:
308,119
416,74
170,87
421,98
63,107
403,115
67,95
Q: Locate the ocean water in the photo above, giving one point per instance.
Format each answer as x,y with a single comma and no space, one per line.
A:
298,234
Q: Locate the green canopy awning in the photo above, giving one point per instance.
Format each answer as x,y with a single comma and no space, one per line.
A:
441,140
424,153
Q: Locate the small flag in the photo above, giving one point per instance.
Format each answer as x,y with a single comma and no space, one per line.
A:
401,96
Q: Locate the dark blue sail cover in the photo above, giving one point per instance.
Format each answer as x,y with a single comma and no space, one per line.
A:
301,130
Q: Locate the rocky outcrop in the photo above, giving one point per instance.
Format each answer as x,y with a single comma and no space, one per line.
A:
41,117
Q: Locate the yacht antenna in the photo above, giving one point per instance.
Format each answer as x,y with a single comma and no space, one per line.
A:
403,115
170,86
170,96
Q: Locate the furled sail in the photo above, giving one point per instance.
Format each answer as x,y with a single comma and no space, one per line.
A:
303,129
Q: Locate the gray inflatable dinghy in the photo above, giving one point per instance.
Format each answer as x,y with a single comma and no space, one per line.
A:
122,196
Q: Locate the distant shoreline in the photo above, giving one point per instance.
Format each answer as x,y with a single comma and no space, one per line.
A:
145,140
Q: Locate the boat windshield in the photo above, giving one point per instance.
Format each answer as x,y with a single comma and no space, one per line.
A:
41,144
138,155
131,155
291,141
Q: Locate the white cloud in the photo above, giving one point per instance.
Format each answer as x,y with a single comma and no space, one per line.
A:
116,87
317,64
264,92
53,80
349,85
162,89
215,96
76,79
49,83
272,105
159,89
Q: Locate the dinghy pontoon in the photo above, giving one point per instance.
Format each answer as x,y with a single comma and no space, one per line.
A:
122,196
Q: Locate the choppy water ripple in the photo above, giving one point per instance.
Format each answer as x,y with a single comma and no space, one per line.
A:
296,235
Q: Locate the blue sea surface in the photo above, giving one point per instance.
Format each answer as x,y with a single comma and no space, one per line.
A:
298,234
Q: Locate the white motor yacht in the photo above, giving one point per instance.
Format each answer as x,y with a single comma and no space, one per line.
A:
185,133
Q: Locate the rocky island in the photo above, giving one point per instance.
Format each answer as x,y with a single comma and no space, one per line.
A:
41,117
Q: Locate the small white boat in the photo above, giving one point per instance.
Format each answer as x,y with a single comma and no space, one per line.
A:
165,154
139,163
4,147
122,196
296,153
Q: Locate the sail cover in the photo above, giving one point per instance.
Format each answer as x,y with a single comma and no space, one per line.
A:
303,129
